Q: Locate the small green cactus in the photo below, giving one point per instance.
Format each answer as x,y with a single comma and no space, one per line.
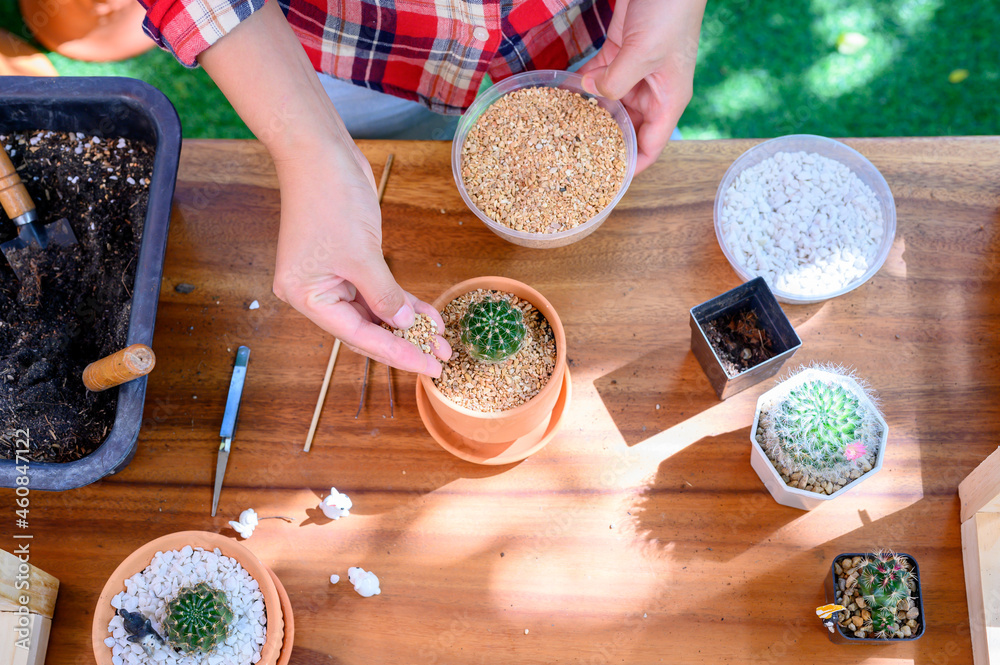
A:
198,618
824,427
884,582
493,330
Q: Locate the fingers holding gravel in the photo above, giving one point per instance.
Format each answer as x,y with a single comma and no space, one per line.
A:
441,348
425,335
350,323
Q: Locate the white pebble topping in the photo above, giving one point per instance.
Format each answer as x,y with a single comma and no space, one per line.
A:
336,505
804,222
247,523
365,582
149,592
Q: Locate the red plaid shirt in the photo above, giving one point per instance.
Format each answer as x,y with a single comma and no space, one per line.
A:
432,51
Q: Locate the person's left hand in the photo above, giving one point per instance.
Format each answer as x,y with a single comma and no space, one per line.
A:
647,62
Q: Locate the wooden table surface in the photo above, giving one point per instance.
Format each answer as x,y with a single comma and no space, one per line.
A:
640,534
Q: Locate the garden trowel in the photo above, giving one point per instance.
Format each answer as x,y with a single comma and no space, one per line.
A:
20,208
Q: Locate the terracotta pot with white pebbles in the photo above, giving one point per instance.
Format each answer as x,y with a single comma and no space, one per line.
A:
542,162
193,598
504,390
810,215
815,436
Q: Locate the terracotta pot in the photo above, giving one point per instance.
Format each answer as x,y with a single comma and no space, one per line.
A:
280,630
94,30
19,58
503,426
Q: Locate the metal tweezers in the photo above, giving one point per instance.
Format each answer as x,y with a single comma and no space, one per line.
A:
364,390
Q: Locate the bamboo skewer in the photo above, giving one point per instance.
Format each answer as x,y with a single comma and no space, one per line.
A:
336,345
322,394
385,177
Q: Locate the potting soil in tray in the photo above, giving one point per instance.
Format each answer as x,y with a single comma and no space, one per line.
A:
74,308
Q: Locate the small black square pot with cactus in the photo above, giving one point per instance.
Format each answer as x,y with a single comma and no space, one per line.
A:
741,337
882,597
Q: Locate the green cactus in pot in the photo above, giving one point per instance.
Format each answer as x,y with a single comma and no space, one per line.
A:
198,619
493,330
826,426
884,579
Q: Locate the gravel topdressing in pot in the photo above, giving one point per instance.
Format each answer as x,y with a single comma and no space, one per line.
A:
492,387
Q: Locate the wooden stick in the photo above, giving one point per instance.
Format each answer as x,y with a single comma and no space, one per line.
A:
385,176
118,368
336,345
322,395
13,196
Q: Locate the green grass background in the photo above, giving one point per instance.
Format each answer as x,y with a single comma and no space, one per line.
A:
765,68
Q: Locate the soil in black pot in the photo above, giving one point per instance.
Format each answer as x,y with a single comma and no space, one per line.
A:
74,307
739,340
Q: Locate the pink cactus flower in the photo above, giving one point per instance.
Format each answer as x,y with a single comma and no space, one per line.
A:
854,450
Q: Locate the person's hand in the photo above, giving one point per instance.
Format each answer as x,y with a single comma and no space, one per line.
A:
329,259
647,62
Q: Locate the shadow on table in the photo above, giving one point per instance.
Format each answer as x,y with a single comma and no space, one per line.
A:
654,393
704,495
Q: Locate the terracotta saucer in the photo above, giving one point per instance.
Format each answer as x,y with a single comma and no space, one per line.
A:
19,58
91,30
286,617
495,454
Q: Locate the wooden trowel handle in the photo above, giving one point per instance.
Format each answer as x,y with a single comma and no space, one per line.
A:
13,196
118,368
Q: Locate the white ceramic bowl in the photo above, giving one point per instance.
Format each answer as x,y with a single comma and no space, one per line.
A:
536,79
831,149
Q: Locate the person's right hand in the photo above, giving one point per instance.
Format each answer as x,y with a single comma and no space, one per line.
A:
329,260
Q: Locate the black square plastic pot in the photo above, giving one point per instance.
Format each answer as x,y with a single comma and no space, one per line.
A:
107,107
756,296
838,636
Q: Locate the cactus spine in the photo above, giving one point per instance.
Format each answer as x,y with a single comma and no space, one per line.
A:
824,427
198,618
884,580
493,330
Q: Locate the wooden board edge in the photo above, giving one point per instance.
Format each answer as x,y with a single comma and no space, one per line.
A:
41,592
38,627
976,592
981,488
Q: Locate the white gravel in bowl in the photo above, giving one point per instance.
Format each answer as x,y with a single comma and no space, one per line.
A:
804,222
149,592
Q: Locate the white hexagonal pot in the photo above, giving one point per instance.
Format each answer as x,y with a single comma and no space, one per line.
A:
794,497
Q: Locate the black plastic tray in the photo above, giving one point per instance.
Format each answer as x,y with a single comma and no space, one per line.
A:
105,107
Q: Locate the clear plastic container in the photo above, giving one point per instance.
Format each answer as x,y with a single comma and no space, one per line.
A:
831,149
552,79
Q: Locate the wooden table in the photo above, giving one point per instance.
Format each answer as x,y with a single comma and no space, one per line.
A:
640,534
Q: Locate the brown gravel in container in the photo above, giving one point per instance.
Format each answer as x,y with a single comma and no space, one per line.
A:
543,160
422,334
848,594
502,386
